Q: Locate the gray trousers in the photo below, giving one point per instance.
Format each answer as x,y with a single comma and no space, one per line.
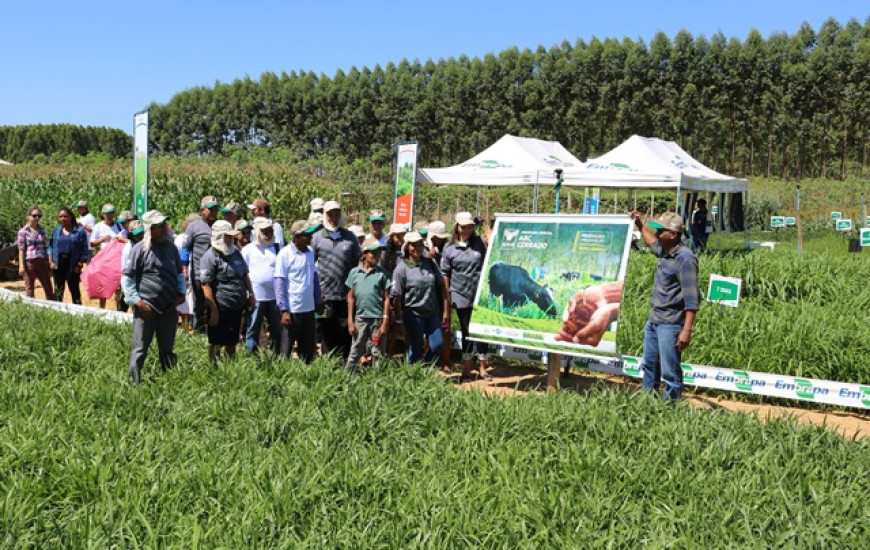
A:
366,329
164,326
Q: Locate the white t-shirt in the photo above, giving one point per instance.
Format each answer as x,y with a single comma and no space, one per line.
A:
102,230
299,271
279,233
125,253
261,265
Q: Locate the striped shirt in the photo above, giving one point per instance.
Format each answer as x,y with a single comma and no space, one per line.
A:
463,262
33,243
198,242
335,257
675,290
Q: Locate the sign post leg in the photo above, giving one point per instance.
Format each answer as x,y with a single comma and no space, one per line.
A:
554,366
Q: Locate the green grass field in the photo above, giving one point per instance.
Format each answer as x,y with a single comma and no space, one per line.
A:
274,454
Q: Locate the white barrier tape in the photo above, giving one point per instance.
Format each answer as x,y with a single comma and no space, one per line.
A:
7,295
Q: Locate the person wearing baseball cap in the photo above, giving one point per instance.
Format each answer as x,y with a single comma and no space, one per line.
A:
675,302
358,232
368,310
85,218
227,288
153,284
377,220
337,251
298,292
232,212
197,241
244,236
462,265
420,300
393,251
262,208
261,255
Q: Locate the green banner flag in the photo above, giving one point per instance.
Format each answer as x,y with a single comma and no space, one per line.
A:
140,163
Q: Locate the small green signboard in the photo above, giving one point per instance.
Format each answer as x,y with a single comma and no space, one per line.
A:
777,222
836,215
790,221
844,225
715,209
867,222
724,290
865,237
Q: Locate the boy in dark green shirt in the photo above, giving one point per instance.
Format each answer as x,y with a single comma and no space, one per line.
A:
368,302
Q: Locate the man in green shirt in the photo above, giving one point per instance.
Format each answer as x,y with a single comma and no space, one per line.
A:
368,302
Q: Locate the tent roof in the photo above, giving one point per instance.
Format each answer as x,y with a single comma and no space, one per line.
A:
511,160
641,162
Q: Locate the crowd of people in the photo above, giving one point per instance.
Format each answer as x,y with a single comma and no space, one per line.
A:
358,293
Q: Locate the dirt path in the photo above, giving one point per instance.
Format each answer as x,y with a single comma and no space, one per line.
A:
512,380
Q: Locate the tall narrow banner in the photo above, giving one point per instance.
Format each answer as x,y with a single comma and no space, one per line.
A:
140,163
553,283
406,178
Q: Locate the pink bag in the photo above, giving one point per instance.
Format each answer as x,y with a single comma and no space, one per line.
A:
102,277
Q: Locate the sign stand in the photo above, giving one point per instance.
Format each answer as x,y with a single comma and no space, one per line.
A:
554,365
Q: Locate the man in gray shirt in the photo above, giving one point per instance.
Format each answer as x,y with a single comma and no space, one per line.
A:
198,242
336,251
153,285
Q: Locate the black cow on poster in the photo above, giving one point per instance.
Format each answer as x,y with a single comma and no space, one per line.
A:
516,287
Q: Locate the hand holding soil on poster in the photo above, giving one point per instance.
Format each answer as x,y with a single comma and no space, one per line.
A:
590,312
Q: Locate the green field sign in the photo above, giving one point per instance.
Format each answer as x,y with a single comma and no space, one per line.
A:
836,215
844,225
777,222
724,290
790,221
715,209
865,237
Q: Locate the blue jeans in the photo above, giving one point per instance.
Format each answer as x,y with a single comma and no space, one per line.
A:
415,328
269,312
661,359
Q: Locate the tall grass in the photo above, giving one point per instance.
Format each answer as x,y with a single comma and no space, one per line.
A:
275,454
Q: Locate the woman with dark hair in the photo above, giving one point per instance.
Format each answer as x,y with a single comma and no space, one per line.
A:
461,264
33,254
68,251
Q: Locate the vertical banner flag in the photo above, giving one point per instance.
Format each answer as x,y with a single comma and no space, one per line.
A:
553,282
406,178
140,163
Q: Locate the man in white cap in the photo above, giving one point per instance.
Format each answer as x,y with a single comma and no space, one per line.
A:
358,232
232,212
260,207
107,229
197,238
153,285
260,255
337,251
297,291
675,301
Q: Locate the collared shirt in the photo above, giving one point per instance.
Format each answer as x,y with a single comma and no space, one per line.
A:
33,243
463,262
420,285
675,289
368,291
75,244
155,274
226,276
335,258
198,235
300,279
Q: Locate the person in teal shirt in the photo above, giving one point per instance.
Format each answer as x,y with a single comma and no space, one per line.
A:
368,301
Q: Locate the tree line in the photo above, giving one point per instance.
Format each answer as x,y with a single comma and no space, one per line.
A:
791,106
35,141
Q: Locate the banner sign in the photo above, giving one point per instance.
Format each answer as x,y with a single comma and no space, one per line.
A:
836,215
790,221
724,290
406,178
777,222
553,282
140,163
844,225
865,237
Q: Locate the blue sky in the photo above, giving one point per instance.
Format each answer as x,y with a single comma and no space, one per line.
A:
98,62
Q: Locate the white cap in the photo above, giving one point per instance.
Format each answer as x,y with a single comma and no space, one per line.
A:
438,229
357,230
398,228
153,217
464,218
262,223
316,204
331,205
223,227
413,237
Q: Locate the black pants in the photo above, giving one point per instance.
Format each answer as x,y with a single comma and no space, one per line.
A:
300,332
65,274
334,337
199,321
464,314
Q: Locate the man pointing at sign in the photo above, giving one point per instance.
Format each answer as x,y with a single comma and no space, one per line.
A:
675,301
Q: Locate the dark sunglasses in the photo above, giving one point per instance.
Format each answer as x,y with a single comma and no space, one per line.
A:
36,215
